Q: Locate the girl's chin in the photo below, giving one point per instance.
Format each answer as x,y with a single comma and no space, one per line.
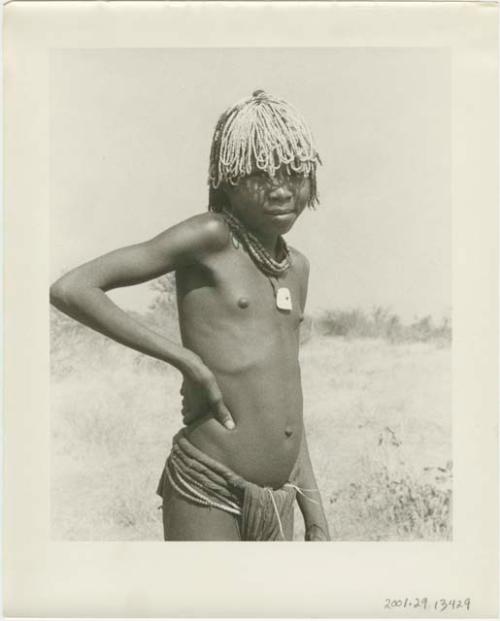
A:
282,222
282,229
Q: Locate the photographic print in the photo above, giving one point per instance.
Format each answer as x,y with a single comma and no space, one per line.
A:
251,287
281,221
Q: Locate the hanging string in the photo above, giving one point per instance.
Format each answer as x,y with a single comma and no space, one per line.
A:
276,512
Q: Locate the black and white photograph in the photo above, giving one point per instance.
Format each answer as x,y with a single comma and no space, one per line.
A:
250,252
250,297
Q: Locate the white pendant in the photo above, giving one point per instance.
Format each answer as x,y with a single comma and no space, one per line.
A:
284,299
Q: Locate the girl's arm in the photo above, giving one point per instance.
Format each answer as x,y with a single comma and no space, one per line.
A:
309,499
81,294
310,503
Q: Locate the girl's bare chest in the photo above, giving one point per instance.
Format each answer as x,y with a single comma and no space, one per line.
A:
236,288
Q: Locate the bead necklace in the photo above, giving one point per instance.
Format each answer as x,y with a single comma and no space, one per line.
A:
260,256
263,259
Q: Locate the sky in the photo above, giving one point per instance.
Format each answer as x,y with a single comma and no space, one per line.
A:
130,133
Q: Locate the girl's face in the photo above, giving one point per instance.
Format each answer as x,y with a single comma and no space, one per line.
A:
269,204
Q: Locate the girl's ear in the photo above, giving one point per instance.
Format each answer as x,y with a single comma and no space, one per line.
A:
219,199
227,192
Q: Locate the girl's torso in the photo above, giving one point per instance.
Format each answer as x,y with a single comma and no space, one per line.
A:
228,316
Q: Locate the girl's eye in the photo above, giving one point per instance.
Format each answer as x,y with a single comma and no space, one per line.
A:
297,177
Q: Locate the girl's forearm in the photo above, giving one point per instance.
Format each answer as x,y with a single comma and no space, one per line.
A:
92,307
310,502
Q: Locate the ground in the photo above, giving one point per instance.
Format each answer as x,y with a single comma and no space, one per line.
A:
377,414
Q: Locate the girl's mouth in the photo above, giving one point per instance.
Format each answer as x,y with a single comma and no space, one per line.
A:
282,215
281,210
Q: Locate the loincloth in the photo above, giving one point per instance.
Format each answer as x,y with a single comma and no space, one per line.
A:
263,513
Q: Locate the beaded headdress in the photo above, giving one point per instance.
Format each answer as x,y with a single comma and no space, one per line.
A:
263,133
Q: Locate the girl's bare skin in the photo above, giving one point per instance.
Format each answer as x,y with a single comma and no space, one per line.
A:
242,397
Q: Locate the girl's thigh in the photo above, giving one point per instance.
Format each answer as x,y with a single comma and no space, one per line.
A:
187,521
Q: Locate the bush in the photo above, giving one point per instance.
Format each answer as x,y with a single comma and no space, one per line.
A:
162,311
401,507
381,323
390,500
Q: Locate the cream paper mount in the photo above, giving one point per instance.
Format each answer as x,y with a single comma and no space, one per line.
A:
71,167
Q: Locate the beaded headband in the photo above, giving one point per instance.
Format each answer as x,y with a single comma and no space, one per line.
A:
260,133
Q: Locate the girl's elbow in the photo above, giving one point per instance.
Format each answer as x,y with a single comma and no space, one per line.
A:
57,294
63,293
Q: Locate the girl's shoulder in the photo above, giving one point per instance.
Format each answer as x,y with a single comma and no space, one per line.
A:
213,227
299,259
205,232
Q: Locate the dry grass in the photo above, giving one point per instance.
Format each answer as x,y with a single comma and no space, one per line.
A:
377,413
379,428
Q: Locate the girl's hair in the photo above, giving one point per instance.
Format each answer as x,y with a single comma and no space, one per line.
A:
260,133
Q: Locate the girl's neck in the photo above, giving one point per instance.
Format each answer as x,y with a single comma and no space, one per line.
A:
264,257
268,239
270,242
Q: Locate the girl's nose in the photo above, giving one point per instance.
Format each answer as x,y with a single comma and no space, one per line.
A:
280,191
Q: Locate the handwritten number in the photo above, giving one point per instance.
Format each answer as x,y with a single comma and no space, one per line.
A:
440,605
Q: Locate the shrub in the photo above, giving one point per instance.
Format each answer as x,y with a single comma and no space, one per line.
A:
388,505
381,323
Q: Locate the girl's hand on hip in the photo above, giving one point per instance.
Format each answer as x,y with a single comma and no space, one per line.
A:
200,392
